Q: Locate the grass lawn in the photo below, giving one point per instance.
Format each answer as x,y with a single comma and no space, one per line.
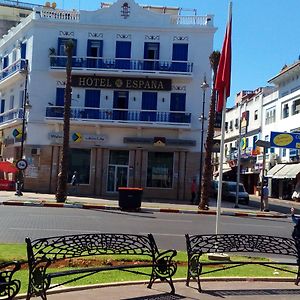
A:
10,252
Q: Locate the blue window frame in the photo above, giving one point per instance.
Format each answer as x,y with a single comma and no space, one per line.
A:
120,102
151,52
149,102
123,50
94,51
92,99
61,46
60,97
5,61
177,103
23,50
180,53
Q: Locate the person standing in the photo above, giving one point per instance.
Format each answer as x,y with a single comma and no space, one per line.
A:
296,193
193,191
265,193
75,182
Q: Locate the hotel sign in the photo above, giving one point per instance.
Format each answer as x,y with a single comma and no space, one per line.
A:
130,83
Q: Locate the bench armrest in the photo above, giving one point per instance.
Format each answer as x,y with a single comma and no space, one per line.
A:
9,287
164,264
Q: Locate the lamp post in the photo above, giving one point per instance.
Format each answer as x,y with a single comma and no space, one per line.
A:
265,145
21,163
204,86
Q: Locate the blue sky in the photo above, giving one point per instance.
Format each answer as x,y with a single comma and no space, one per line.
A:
265,34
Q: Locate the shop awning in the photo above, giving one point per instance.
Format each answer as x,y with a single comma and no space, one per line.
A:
7,167
275,169
287,171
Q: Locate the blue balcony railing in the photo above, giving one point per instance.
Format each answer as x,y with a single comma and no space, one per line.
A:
103,114
10,115
17,66
122,64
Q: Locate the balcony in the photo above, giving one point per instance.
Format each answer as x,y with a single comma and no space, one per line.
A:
114,65
11,115
127,116
15,68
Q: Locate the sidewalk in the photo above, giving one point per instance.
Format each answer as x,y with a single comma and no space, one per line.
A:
278,208
231,290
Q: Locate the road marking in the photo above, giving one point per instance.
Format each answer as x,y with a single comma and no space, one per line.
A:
164,220
254,225
54,229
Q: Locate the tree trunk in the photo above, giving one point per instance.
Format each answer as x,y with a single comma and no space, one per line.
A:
208,168
62,189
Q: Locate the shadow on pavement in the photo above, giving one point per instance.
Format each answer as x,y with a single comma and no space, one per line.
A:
224,293
164,296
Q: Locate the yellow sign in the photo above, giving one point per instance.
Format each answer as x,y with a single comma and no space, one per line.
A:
283,139
17,133
243,144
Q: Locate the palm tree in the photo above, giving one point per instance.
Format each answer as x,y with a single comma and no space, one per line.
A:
208,170
61,192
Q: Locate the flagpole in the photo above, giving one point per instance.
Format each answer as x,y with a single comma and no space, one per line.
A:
221,164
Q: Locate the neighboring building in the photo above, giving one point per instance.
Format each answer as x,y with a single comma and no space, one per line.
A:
136,97
281,113
11,14
242,128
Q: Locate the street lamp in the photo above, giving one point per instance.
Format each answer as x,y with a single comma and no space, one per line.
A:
204,86
25,107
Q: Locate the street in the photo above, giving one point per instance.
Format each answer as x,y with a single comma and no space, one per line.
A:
168,229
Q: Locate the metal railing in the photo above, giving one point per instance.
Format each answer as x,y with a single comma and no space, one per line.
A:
13,114
116,114
16,66
122,64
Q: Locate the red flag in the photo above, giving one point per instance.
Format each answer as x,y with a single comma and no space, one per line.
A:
222,83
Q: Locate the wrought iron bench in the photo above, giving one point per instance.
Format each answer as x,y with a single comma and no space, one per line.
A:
197,245
9,287
42,253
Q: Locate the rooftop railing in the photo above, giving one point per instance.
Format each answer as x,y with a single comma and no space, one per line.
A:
122,64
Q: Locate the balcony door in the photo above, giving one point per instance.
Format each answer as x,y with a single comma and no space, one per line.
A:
149,102
180,53
120,105
92,100
177,104
123,51
151,52
94,51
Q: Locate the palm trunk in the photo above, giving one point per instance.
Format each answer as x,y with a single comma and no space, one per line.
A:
208,168
62,192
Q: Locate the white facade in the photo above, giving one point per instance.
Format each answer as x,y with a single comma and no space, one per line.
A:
147,68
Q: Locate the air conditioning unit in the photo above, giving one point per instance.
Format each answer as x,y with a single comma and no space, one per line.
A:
35,151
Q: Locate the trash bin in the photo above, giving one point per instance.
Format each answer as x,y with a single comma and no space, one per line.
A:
130,198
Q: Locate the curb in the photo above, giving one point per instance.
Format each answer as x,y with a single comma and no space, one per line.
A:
142,282
143,209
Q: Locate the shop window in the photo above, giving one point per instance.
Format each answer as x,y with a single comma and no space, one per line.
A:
119,157
160,169
80,161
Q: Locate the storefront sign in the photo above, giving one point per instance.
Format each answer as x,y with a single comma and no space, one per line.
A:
77,137
105,82
285,140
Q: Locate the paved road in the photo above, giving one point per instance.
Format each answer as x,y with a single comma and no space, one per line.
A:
18,222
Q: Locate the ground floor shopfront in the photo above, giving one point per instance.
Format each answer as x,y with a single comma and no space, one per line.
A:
162,172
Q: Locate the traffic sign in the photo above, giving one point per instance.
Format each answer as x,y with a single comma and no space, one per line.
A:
22,164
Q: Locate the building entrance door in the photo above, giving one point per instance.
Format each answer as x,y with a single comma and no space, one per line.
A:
117,176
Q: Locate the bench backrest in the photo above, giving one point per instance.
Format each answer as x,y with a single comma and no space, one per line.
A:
225,243
61,247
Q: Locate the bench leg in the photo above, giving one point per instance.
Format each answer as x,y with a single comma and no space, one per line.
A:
168,280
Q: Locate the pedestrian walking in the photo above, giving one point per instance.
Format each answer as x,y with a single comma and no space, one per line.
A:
75,182
265,193
296,193
193,191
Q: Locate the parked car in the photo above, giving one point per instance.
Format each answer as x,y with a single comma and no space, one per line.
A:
229,191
